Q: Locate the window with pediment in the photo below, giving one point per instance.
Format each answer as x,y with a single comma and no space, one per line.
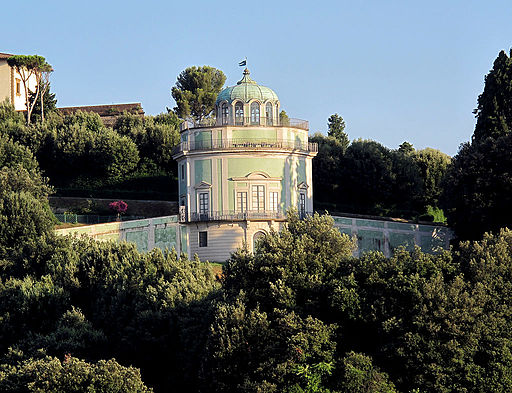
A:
204,202
302,204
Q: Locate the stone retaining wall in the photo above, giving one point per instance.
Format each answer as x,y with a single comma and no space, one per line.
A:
386,235
147,234
373,234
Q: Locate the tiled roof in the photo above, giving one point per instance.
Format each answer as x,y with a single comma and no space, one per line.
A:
105,110
4,56
108,113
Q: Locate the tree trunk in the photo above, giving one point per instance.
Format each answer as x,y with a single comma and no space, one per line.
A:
42,106
38,81
24,79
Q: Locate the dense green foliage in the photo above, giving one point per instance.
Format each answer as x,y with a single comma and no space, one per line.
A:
494,111
24,210
427,322
77,152
477,195
92,300
81,141
71,375
366,177
301,314
336,129
154,137
196,91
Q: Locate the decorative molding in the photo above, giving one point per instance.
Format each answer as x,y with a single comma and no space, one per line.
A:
257,176
202,186
302,186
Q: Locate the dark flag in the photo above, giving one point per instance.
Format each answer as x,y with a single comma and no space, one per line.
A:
243,63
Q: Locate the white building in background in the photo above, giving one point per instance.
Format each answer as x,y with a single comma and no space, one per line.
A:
11,84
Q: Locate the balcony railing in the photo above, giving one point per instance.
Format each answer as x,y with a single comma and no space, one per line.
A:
246,122
245,143
230,215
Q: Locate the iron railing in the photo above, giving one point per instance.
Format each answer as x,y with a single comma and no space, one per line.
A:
72,218
231,215
245,143
245,122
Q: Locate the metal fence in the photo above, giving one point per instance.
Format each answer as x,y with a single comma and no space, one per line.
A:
70,218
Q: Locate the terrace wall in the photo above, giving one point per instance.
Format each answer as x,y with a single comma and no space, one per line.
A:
384,235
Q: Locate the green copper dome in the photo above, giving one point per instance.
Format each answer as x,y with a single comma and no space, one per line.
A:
245,90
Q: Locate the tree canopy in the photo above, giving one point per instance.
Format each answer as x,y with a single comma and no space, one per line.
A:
477,189
494,111
300,314
71,375
196,91
81,155
336,129
366,177
27,66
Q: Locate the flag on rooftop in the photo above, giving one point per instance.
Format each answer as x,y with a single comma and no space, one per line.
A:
243,63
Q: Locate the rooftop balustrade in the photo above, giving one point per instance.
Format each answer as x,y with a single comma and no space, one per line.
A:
245,143
245,122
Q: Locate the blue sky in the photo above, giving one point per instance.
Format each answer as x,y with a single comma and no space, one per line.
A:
395,70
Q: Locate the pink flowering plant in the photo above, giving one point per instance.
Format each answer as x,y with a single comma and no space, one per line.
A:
119,207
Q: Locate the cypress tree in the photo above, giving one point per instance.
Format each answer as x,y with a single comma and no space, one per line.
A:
494,112
478,187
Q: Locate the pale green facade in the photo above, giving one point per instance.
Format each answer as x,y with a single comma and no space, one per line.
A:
164,233
249,166
386,236
242,171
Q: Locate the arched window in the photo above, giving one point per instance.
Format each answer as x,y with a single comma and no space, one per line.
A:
257,236
239,114
268,113
225,114
255,113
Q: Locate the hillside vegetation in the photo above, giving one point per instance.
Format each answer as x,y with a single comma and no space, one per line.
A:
300,314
